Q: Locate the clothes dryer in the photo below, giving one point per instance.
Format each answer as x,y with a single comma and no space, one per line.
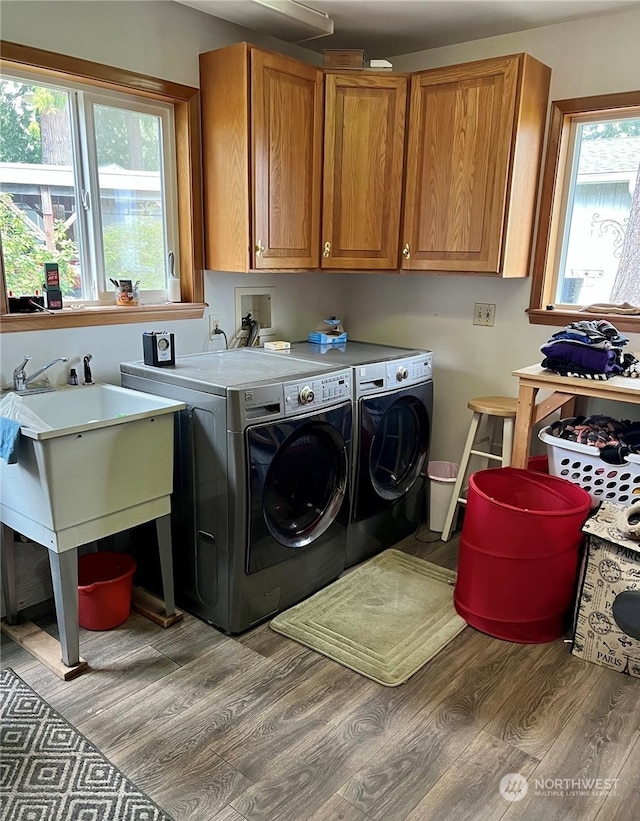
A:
393,409
260,503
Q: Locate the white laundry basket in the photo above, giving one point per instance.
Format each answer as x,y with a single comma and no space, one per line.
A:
442,477
582,465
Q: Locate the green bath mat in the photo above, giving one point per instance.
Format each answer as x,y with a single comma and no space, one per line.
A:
385,620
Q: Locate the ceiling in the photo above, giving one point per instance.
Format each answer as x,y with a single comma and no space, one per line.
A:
384,28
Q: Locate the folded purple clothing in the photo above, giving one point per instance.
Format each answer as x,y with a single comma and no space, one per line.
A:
567,369
584,356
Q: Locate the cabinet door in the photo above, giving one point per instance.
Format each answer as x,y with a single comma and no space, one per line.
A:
363,159
461,124
286,146
224,96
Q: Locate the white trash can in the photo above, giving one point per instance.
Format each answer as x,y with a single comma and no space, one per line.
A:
442,476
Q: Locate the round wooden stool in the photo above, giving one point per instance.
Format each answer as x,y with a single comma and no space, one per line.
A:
495,408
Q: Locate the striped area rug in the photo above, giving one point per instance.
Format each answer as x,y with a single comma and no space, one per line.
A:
50,772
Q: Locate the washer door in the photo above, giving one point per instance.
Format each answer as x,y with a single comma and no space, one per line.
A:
305,485
298,487
394,442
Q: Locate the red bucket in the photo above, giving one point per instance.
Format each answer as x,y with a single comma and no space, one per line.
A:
519,553
104,589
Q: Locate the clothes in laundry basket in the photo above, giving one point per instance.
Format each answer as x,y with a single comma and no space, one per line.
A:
614,439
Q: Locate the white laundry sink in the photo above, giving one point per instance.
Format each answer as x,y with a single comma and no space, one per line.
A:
100,461
81,409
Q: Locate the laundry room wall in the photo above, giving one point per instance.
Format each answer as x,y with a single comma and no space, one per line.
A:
164,39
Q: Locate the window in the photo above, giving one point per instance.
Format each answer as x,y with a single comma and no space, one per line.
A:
97,173
588,247
86,181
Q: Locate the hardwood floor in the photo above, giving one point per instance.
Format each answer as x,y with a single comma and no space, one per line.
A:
260,728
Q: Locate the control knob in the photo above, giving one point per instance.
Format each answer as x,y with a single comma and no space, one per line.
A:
306,395
402,373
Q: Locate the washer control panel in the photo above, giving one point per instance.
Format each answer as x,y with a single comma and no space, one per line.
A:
317,391
410,370
378,377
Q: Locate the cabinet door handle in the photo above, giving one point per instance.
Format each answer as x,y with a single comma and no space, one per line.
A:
406,251
259,248
326,250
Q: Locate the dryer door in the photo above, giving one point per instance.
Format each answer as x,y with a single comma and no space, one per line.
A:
299,474
392,448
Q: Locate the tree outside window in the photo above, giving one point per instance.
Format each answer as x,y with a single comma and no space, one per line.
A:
588,247
102,211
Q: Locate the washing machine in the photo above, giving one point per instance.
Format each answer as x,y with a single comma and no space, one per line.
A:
393,408
260,503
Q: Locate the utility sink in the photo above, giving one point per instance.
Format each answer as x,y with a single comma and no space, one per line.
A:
81,409
97,459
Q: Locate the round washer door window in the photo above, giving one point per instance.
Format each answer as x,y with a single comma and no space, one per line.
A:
305,485
398,448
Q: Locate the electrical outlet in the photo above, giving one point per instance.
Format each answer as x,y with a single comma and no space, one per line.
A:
484,313
214,324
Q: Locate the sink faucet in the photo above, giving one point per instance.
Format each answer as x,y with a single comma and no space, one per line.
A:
88,378
20,378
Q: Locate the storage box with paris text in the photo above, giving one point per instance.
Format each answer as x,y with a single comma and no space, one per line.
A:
607,623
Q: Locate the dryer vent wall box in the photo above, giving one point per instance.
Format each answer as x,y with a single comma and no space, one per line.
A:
259,302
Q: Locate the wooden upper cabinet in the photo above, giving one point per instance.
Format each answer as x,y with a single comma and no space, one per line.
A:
362,175
464,202
262,117
473,156
286,122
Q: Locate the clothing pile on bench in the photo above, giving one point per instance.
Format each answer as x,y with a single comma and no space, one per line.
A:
614,439
590,349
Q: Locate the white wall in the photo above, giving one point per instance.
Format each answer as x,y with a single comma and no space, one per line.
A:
155,37
163,39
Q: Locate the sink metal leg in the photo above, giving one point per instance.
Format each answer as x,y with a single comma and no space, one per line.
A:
64,574
163,529
8,566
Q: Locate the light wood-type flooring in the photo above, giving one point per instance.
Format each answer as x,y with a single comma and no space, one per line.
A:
258,727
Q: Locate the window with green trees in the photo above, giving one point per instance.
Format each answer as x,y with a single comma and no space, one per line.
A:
87,180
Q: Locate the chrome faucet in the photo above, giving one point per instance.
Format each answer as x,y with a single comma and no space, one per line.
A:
20,378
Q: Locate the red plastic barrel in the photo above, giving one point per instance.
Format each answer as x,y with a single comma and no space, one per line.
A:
519,553
104,589
538,463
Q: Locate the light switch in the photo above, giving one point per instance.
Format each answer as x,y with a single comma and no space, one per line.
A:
484,313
